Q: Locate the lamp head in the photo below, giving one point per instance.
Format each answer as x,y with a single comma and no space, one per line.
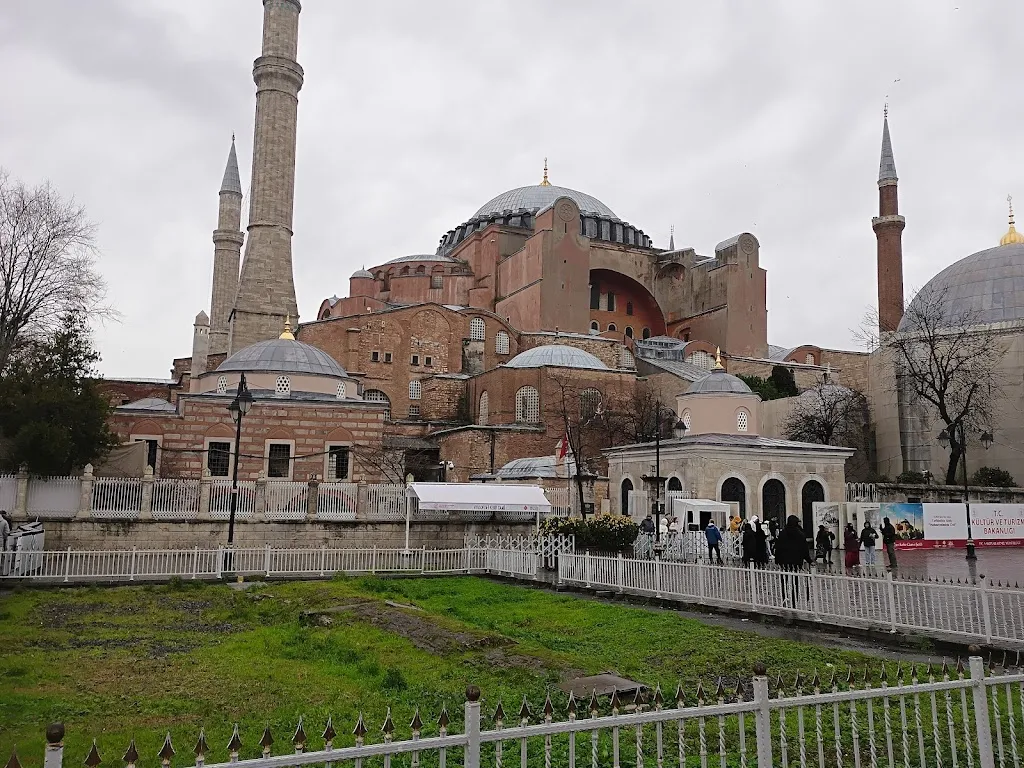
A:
944,439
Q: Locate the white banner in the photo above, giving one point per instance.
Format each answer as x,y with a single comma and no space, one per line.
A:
998,525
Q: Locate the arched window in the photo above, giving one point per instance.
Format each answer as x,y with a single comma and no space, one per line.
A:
483,411
405,271
629,307
501,343
283,387
701,359
376,396
626,359
773,501
686,419
629,331
810,493
415,389
340,394
421,270
590,403
741,420
222,385
734,490
627,488
611,327
647,333
595,327
477,331
674,484
528,405
326,313
809,358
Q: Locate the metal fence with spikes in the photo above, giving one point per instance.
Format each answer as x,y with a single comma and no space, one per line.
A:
986,612
955,717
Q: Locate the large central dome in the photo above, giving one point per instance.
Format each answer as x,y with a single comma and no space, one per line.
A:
540,196
986,287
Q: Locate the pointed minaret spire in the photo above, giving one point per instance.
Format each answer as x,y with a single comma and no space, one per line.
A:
232,179
544,182
888,226
887,166
672,238
227,250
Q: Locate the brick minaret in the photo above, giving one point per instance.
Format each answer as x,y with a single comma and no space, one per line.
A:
266,288
227,249
888,226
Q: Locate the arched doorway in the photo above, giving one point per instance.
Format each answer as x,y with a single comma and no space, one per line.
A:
773,501
733,489
627,488
811,492
674,484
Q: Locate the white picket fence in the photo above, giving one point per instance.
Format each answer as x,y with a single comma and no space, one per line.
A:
337,502
309,562
547,545
950,719
966,613
54,498
686,545
116,498
176,499
220,500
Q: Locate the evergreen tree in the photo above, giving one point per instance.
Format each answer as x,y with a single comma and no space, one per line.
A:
53,417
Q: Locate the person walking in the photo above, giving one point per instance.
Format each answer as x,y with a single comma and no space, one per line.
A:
673,525
6,524
791,552
760,545
714,537
748,545
773,534
823,544
647,524
868,537
889,542
852,546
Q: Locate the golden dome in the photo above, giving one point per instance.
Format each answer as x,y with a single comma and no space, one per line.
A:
287,332
1012,235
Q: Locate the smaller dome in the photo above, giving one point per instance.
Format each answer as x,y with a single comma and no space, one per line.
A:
150,404
361,273
558,355
283,356
720,383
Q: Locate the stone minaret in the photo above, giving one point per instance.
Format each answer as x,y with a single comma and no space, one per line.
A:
888,226
200,350
227,249
266,288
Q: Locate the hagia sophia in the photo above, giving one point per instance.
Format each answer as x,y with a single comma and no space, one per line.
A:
454,358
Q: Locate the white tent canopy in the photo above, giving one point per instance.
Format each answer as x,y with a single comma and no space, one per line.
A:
689,510
479,497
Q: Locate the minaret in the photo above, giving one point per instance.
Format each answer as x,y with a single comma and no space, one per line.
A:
888,226
672,238
266,288
227,249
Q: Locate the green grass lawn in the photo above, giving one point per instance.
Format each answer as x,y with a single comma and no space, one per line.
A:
118,663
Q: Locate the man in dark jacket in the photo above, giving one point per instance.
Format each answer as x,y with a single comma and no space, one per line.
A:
791,552
889,542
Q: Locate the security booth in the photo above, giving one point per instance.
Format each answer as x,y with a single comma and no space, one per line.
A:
475,501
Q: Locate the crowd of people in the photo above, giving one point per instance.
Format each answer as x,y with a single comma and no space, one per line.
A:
789,546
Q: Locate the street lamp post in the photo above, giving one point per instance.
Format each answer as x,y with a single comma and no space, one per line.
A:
238,408
986,440
678,430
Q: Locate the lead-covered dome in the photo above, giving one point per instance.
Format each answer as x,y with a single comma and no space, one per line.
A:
558,355
986,287
540,196
718,382
283,356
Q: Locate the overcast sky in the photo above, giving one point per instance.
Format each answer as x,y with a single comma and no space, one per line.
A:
717,117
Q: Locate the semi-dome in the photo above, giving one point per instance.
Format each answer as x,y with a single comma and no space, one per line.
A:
540,196
421,257
283,356
987,287
718,382
558,355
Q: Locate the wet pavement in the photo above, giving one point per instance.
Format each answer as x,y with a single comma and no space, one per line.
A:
997,564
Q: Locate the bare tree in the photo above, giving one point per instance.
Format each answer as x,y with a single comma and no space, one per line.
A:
638,417
47,263
828,414
942,359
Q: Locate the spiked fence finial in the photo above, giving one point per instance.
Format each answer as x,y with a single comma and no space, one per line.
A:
388,729
131,755
166,751
443,720
299,737
593,703
524,711
499,713
549,710
816,682
571,709
93,758
945,668
740,690
235,745
659,698
360,730
329,732
201,747
266,740
680,698
700,691
720,693
13,762
882,676
417,722
616,704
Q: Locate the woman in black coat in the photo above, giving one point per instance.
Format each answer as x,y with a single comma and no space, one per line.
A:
791,552
760,545
748,543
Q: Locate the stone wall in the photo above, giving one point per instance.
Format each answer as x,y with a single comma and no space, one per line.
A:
206,535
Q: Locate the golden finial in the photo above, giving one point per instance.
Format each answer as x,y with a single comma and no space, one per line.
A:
1012,236
544,182
718,360
287,332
